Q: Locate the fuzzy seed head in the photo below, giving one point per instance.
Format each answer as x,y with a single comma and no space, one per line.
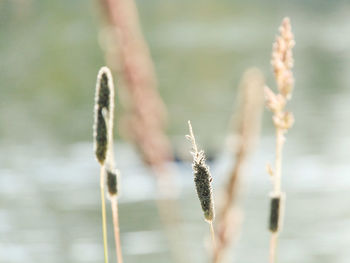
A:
103,119
202,179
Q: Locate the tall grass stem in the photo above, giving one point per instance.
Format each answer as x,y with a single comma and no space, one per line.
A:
212,232
114,204
282,63
247,119
104,220
273,247
145,116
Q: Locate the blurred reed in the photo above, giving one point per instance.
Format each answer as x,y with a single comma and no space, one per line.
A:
103,144
127,53
247,121
282,63
202,180
145,115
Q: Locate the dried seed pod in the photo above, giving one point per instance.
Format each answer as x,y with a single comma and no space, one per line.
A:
276,212
104,107
202,179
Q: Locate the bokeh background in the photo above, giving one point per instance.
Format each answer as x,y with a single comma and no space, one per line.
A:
49,195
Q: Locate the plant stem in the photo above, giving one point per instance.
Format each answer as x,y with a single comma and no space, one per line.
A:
103,205
273,247
170,215
278,164
277,187
114,204
212,235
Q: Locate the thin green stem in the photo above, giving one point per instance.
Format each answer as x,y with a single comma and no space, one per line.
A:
103,205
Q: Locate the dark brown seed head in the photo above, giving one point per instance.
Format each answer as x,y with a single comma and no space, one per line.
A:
276,213
112,182
104,107
202,179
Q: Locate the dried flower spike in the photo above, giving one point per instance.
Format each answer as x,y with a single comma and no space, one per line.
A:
282,63
274,102
104,107
202,179
282,59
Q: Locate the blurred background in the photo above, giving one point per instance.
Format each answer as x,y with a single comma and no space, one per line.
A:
49,195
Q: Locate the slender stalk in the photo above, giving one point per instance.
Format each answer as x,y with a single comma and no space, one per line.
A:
212,232
247,123
104,224
145,117
114,204
273,247
278,161
169,213
282,62
277,187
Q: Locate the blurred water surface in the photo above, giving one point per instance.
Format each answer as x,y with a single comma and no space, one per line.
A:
49,196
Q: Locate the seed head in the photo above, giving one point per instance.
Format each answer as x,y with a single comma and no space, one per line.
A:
282,63
276,212
103,120
202,179
282,59
112,182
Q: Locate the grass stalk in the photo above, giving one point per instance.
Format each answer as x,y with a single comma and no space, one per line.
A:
114,204
145,116
112,186
278,164
169,213
212,233
103,145
104,218
282,62
203,180
273,247
247,122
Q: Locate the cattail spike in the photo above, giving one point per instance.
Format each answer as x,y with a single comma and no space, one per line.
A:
104,107
202,179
